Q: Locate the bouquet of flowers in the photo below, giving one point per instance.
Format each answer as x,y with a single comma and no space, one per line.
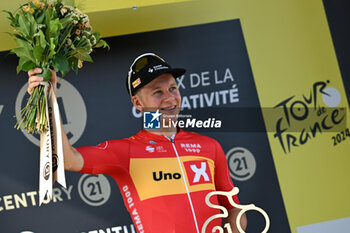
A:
50,35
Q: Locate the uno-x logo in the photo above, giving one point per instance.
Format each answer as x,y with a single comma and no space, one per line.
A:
72,110
198,172
166,176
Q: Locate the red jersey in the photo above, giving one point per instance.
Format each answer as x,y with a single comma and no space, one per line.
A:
164,181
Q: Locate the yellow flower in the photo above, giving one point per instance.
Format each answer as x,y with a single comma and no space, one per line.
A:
64,9
27,8
42,5
80,64
82,26
37,4
78,11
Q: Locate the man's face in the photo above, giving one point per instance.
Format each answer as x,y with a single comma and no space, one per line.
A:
162,93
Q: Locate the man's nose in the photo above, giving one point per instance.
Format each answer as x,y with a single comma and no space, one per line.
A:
169,96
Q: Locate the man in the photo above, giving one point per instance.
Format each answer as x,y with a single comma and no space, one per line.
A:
164,175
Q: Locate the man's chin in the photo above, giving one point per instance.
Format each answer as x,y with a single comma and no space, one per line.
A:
170,113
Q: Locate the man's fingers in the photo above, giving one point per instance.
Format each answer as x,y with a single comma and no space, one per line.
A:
31,86
34,71
35,79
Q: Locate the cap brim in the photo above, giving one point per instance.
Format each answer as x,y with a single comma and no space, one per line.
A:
177,72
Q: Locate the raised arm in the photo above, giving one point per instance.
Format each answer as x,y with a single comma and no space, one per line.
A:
73,161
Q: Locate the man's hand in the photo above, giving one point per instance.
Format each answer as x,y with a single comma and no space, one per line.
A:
73,160
232,216
35,80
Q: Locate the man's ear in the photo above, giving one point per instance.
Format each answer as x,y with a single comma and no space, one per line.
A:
137,102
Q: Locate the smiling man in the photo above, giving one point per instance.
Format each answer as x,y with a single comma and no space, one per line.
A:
164,175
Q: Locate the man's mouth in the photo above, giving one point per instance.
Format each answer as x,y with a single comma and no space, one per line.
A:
169,108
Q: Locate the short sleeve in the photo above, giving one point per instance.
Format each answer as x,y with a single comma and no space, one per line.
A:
223,180
104,158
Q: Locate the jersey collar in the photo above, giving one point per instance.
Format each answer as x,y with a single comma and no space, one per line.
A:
155,137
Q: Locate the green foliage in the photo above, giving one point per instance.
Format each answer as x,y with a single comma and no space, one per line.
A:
82,54
60,63
50,36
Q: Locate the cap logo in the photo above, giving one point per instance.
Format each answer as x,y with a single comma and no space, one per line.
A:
136,83
160,67
150,70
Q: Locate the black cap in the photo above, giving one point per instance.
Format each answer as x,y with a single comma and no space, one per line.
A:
146,68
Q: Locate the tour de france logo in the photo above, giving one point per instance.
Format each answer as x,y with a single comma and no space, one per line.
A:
72,110
224,214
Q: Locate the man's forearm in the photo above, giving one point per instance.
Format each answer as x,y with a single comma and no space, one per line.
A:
73,161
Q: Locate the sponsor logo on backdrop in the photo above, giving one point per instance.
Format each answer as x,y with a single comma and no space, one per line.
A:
225,90
94,190
27,232
304,117
115,229
72,110
28,199
209,99
241,163
1,107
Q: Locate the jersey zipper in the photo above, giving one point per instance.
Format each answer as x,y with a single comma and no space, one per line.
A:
187,190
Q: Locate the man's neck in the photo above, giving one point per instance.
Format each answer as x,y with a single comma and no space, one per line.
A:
167,132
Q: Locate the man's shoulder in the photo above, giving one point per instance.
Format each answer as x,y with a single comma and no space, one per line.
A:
115,142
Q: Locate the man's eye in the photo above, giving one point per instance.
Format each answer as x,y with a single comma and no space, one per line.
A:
157,92
172,88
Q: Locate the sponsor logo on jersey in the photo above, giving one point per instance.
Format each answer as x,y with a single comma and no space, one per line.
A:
160,149
150,149
191,147
154,177
198,172
160,175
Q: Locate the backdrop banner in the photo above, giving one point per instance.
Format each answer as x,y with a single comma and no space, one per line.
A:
280,95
